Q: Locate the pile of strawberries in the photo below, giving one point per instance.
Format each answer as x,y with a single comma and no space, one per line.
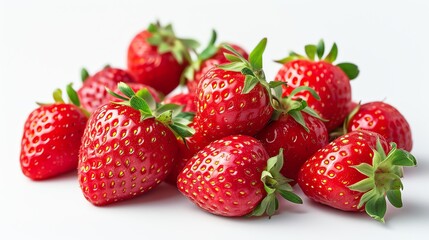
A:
232,141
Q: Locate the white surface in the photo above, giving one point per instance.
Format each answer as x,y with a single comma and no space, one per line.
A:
43,45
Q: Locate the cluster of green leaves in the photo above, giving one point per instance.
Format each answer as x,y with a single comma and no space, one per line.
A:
166,41
383,179
311,50
275,183
170,115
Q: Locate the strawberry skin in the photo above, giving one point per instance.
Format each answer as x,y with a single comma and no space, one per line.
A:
224,177
325,177
118,158
187,100
297,143
51,140
217,59
224,110
329,82
384,119
93,92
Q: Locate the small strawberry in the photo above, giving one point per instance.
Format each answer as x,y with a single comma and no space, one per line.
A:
135,86
128,148
210,57
331,82
51,139
384,119
233,177
355,172
93,92
298,130
156,57
187,100
234,98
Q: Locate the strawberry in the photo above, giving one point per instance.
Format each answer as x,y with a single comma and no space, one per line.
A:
211,56
187,100
128,148
356,172
156,57
135,86
331,82
384,119
93,92
234,98
234,177
51,139
298,130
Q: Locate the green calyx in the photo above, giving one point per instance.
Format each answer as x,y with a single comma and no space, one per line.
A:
383,179
207,53
72,96
170,115
166,41
84,74
274,184
312,51
295,107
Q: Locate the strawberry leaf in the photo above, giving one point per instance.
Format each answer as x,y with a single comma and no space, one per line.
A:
376,208
73,97
58,96
233,66
84,74
350,69
231,57
290,196
255,57
320,49
332,55
395,198
249,83
139,104
310,50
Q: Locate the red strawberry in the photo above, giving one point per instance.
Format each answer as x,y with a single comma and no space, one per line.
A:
51,138
234,98
93,92
210,57
233,177
156,57
353,171
135,87
331,82
384,119
186,151
297,142
127,149
187,100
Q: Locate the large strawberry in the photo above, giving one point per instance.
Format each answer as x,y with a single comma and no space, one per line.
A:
212,55
298,130
234,177
51,139
93,92
129,148
331,82
384,119
356,172
234,98
156,57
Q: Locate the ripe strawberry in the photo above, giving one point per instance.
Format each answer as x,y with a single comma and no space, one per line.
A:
353,171
135,86
93,92
234,98
129,148
187,100
156,57
51,139
234,177
384,119
331,82
299,131
211,56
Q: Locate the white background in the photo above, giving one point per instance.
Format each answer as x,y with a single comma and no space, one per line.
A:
43,45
